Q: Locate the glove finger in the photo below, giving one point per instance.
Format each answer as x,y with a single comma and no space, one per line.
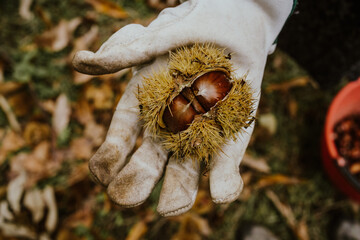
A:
225,180
134,183
180,187
134,44
121,136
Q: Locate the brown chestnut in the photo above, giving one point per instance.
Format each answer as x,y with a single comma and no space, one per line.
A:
204,93
179,114
211,88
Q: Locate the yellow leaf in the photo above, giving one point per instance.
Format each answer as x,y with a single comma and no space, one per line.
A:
137,231
292,83
108,8
276,179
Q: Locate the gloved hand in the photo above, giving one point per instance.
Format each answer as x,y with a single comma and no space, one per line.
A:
247,29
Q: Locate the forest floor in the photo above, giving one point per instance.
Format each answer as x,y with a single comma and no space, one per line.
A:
52,120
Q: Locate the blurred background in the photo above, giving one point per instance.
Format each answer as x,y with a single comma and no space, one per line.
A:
52,120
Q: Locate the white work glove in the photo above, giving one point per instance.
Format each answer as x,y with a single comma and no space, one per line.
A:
247,29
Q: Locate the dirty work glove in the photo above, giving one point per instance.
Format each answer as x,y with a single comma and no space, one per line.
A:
247,29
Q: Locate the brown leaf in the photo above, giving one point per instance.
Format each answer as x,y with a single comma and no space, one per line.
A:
37,160
83,112
299,228
258,164
192,226
161,4
61,116
95,133
24,9
36,132
5,106
137,231
78,173
108,8
80,78
60,36
203,203
101,97
8,87
276,179
38,164
10,143
292,107
292,83
81,148
48,106
21,103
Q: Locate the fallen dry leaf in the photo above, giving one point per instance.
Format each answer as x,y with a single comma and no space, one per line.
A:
161,4
36,132
292,83
101,97
34,201
258,164
276,179
52,215
8,87
203,203
81,148
37,160
83,112
60,36
10,143
269,122
78,173
5,106
192,226
22,103
24,9
299,228
137,231
108,8
38,164
61,116
16,230
95,132
15,191
292,107
5,213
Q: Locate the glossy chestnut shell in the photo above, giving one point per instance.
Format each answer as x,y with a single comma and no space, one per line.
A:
199,98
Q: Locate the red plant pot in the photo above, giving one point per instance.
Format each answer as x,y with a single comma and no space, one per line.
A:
345,103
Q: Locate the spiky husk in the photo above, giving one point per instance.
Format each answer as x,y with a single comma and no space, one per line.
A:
208,132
